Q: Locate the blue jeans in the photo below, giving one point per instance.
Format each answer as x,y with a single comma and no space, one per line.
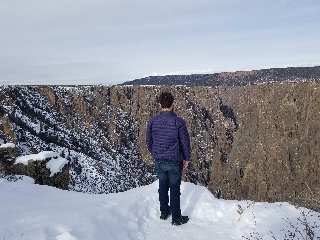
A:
169,174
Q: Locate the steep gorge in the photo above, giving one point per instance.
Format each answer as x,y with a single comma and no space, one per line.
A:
257,142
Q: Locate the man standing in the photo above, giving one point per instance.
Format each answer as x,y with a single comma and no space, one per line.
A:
168,142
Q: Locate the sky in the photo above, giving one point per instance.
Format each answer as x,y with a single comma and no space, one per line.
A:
31,211
113,41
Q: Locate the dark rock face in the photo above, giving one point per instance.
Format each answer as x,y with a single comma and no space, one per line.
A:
7,157
275,155
258,142
82,125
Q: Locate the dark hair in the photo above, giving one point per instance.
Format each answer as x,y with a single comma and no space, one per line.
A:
165,99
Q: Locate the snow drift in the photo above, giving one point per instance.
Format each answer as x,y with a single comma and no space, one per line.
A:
30,211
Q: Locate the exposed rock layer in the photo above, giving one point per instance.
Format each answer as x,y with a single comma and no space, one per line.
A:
257,142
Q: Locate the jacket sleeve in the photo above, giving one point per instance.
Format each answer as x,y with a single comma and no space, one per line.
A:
185,141
149,136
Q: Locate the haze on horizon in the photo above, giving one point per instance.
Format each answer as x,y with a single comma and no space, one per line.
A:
110,42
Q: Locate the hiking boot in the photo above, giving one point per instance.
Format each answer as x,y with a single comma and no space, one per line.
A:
165,215
180,221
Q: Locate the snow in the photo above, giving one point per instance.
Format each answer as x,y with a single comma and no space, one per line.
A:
36,157
30,211
54,165
7,145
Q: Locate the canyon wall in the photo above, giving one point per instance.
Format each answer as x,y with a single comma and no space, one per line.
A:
257,142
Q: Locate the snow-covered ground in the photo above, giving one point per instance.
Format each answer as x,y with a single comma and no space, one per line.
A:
30,211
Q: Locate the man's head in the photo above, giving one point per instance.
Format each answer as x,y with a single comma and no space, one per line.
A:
166,100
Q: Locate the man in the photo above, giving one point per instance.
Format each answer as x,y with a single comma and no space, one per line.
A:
168,142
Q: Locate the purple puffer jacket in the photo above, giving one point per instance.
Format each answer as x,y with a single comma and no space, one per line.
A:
168,138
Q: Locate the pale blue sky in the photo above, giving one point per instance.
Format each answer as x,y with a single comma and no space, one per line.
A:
109,42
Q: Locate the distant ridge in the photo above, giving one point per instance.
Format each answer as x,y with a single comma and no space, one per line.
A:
238,78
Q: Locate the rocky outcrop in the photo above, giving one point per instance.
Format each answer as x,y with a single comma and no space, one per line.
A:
34,169
7,158
257,142
41,174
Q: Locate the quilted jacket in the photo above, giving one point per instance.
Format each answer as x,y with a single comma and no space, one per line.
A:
168,138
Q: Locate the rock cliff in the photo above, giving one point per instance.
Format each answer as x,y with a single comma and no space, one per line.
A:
257,142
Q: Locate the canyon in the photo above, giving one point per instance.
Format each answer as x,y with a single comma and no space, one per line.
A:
258,142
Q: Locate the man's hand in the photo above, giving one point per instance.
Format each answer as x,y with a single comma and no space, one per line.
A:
185,163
